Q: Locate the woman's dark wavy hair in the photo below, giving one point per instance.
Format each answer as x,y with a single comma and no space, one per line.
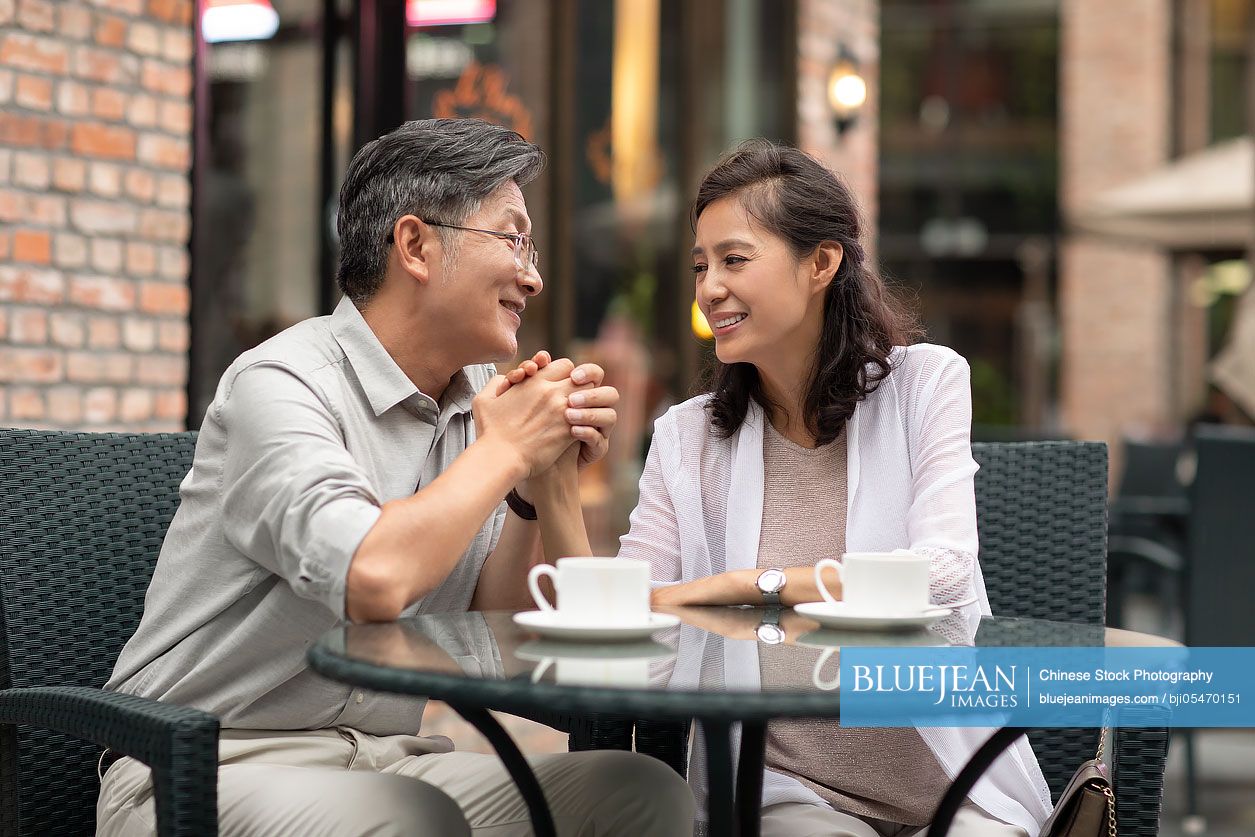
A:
793,197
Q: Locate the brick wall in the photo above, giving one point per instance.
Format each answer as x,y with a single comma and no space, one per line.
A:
823,27
1114,299
95,150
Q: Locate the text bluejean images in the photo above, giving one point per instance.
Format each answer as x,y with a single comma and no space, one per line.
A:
1048,687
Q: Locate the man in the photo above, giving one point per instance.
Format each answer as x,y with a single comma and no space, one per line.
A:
352,467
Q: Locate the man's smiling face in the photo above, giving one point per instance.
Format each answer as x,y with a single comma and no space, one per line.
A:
483,290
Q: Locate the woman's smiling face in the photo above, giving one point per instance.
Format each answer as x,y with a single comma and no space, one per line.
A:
753,290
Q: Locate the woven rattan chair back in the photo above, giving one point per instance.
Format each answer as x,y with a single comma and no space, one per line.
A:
81,525
1041,511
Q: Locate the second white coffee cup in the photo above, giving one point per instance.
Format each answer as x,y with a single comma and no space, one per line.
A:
596,591
879,583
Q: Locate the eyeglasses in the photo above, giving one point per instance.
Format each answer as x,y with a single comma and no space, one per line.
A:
525,252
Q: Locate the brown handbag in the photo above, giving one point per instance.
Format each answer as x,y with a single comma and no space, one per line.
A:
1087,806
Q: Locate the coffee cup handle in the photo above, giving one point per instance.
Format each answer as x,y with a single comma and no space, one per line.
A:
819,578
825,685
533,583
539,671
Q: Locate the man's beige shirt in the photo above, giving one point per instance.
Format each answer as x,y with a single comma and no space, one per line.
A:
307,436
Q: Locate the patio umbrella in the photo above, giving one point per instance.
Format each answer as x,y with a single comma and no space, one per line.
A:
1203,201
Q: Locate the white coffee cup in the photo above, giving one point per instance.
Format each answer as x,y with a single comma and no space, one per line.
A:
596,591
879,583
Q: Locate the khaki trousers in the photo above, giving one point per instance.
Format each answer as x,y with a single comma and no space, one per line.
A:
344,782
796,819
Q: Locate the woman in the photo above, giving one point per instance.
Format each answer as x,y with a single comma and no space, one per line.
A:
825,433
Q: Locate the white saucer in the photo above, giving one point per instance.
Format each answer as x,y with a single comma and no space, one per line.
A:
840,616
548,623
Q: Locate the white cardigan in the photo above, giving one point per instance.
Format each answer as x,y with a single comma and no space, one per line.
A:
909,485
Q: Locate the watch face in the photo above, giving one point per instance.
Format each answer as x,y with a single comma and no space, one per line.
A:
771,581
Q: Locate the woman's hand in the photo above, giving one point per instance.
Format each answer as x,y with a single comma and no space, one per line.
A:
590,409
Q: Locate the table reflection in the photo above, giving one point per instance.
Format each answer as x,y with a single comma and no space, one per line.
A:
712,649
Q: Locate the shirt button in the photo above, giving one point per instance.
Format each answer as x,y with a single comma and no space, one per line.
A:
359,697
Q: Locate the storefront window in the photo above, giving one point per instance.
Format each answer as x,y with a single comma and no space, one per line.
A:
969,174
260,219
632,100
606,88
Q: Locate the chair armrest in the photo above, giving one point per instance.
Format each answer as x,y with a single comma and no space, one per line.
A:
1173,507
178,743
1131,547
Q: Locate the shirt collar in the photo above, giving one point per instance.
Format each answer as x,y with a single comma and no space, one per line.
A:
382,380
460,392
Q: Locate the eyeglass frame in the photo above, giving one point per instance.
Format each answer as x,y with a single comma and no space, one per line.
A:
522,241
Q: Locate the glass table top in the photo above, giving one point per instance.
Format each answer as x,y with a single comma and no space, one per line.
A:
719,662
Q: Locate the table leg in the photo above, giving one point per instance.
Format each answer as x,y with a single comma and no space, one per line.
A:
971,772
520,771
749,778
719,800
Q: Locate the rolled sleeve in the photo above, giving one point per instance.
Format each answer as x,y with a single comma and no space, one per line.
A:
294,499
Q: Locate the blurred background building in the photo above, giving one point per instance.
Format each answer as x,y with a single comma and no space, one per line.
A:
96,123
1065,186
168,173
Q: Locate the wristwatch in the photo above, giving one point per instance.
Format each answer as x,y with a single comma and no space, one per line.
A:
770,583
769,631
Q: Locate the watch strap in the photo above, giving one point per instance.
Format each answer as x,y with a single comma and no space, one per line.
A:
519,506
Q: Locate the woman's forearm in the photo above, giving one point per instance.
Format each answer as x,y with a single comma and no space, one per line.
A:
560,515
560,523
740,587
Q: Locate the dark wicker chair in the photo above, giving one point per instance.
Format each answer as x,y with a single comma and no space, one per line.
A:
1219,573
82,522
1041,509
1042,515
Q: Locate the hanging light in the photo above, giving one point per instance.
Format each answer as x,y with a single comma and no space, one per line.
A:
449,12
238,20
847,90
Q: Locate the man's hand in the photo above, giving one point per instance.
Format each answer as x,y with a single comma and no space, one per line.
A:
529,418
590,412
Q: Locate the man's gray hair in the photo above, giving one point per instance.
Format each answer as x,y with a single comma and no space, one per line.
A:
437,169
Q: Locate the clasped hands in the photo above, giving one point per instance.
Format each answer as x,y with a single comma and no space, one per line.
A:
552,412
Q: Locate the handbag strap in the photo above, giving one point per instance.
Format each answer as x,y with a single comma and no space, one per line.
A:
1106,788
